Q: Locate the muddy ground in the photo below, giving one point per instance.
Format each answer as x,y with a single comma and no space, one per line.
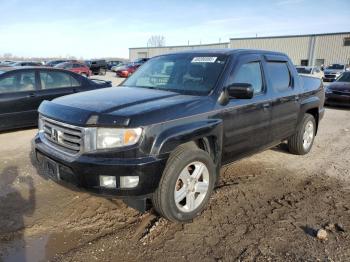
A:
266,208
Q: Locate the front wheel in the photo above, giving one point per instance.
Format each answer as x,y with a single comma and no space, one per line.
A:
186,185
301,142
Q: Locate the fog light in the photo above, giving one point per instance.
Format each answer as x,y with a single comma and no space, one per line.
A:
129,181
108,181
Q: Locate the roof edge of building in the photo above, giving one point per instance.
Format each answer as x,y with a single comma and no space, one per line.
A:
288,36
175,46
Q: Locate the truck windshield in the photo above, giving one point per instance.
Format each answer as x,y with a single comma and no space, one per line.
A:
336,66
345,77
194,74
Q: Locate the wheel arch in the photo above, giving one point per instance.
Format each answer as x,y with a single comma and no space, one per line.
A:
207,135
310,106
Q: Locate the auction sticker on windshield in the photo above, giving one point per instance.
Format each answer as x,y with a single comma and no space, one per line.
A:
204,59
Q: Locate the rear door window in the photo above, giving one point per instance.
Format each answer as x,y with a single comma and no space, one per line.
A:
279,75
18,82
52,80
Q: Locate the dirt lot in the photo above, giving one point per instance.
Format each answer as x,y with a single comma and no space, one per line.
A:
266,207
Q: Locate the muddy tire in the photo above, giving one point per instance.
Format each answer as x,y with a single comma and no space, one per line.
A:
186,184
301,142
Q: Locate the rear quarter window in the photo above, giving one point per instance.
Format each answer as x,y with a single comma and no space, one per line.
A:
279,75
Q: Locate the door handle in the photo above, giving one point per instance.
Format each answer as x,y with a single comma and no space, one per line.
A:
265,106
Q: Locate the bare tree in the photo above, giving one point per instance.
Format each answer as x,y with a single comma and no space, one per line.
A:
156,41
7,55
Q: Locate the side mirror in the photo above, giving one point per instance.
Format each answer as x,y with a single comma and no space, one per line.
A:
240,90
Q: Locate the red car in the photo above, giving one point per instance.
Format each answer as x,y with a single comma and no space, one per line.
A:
75,67
127,70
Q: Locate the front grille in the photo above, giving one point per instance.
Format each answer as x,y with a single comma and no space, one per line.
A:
62,136
330,76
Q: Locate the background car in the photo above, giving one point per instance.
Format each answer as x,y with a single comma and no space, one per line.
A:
75,67
7,63
141,61
97,67
310,70
110,64
333,71
338,92
117,67
52,63
22,89
26,63
127,70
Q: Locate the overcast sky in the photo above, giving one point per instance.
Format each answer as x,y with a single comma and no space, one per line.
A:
92,29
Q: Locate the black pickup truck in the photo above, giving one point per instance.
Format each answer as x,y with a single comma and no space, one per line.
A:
162,136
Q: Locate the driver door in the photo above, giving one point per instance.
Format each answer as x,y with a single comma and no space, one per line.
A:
246,122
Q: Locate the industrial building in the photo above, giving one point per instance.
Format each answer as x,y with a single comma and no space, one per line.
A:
312,49
143,52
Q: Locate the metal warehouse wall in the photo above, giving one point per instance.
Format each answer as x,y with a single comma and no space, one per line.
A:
141,52
317,49
331,48
314,49
296,47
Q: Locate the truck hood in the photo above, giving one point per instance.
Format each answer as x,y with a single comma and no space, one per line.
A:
123,106
340,86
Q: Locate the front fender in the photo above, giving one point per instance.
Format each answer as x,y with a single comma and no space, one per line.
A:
172,137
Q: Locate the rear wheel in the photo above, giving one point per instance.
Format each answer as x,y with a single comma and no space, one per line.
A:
301,142
186,185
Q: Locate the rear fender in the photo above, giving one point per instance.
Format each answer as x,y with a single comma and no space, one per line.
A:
309,103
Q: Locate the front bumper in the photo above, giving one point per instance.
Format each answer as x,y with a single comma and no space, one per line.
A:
83,171
337,99
329,77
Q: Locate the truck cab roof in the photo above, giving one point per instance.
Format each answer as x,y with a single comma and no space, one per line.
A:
230,51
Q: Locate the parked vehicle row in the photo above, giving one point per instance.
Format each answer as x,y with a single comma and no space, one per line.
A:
22,89
53,63
332,72
162,136
76,67
127,69
111,64
310,70
97,67
338,92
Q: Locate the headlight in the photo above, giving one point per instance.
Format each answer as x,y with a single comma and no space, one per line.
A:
40,125
117,137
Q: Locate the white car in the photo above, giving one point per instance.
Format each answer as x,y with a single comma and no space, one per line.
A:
117,67
310,70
